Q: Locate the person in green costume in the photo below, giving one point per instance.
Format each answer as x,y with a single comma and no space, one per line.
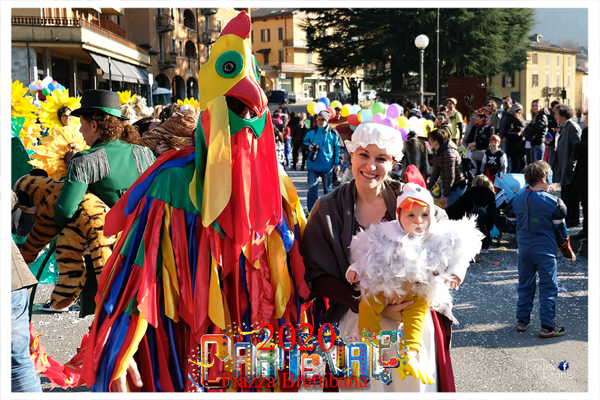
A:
107,169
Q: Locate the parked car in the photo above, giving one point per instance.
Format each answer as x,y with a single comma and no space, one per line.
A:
278,96
340,95
370,95
292,98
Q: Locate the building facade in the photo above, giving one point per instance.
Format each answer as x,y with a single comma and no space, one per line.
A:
581,83
81,48
179,40
550,74
279,45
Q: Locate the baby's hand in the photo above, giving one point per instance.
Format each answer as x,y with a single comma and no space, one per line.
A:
573,257
352,277
454,282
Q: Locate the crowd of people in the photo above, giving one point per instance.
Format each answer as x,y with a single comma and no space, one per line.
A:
329,268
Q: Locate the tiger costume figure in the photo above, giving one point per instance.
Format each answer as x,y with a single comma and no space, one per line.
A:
40,193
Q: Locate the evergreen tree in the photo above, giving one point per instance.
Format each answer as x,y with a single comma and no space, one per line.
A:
473,42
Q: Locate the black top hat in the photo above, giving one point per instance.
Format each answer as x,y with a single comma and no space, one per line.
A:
99,101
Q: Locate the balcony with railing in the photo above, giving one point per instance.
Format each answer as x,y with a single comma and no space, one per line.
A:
296,43
301,68
164,24
209,36
167,60
114,31
208,11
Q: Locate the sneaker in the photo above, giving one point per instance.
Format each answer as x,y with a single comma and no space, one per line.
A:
484,251
48,308
522,326
549,332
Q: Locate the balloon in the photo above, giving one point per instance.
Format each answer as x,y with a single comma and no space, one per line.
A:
359,116
388,122
332,111
47,80
310,107
366,116
352,127
421,121
346,109
355,109
395,121
427,127
307,122
33,87
404,133
353,120
52,86
378,107
402,122
393,111
40,86
377,118
319,106
336,104
413,121
325,101
45,91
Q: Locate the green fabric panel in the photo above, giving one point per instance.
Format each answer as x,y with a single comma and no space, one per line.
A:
237,123
19,161
171,186
201,152
129,238
132,306
140,256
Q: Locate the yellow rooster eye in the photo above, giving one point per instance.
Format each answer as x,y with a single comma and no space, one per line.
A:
230,64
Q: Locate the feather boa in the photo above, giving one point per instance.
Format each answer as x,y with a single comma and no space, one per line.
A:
385,256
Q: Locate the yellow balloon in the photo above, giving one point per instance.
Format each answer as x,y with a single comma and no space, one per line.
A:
311,107
402,122
358,116
346,108
427,127
335,104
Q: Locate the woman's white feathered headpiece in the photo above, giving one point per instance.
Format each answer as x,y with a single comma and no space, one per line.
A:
383,136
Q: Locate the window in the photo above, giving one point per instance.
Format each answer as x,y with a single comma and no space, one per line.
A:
280,56
206,23
569,61
265,35
309,57
181,48
219,26
179,16
558,60
535,80
568,80
161,47
252,36
558,80
534,58
280,34
507,81
172,12
159,11
266,55
173,45
548,59
547,79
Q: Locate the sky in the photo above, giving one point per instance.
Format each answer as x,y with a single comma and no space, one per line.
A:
557,23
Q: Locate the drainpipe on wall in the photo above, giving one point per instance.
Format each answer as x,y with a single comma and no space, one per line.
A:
28,63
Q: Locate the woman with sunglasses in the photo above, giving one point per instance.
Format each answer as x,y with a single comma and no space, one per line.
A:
493,115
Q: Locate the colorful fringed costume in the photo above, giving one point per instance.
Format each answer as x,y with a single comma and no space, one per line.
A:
209,237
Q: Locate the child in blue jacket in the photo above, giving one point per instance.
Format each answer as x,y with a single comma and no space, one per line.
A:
541,229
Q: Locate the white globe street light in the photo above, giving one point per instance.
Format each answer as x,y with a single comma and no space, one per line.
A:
421,42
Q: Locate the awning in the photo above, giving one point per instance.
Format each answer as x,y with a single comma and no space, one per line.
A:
121,71
266,51
162,90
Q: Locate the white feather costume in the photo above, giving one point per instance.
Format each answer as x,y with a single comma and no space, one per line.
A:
384,256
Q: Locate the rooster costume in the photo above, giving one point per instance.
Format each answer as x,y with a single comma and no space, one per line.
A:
209,237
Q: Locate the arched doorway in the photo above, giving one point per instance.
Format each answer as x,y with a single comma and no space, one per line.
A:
192,88
189,21
178,88
161,92
190,50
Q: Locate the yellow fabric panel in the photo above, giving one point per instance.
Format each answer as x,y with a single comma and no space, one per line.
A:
169,269
140,331
216,310
280,278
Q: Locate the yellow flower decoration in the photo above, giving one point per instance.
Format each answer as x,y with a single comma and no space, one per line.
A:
50,154
21,105
126,97
49,115
30,133
193,102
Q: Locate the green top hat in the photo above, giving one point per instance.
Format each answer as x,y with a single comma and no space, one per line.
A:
99,101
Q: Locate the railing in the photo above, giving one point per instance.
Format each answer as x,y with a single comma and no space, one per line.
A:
209,36
68,22
291,67
167,60
294,43
164,23
114,28
208,11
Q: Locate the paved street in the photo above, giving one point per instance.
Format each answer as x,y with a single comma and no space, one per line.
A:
488,355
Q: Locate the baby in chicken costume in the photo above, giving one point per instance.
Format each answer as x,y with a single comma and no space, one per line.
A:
414,258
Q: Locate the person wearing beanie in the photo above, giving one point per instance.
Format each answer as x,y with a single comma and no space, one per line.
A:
412,258
323,144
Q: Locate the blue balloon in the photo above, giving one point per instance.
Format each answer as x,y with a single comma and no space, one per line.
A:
325,101
52,86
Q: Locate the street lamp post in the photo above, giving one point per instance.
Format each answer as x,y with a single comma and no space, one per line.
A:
421,42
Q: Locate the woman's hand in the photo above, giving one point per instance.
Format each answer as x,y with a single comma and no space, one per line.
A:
162,147
472,146
443,201
454,282
352,277
394,311
120,384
